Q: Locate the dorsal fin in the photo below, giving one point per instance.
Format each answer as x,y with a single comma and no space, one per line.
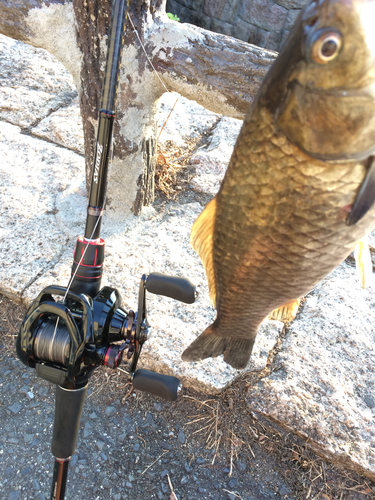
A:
201,239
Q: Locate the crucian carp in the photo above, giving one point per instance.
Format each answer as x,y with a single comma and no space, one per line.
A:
298,193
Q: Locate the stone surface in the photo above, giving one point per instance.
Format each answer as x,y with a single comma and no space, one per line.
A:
214,8
64,127
187,120
32,83
266,15
290,20
42,202
322,383
291,4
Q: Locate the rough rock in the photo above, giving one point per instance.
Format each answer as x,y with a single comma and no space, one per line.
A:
187,120
64,127
42,199
322,381
32,83
268,15
265,24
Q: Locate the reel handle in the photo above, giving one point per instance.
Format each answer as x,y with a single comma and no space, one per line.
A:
181,289
165,386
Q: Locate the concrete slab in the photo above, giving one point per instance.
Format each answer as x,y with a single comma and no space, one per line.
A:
42,200
322,381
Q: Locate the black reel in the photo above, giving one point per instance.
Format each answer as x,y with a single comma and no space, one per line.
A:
66,335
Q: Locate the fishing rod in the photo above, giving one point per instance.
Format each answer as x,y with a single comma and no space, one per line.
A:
69,331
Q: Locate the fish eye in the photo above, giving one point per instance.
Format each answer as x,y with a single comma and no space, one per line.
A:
324,46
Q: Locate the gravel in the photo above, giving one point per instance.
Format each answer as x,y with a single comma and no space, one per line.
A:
123,450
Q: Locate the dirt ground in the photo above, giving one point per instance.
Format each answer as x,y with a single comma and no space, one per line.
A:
200,447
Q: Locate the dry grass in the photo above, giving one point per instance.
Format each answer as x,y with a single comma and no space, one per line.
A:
208,423
171,163
10,321
227,426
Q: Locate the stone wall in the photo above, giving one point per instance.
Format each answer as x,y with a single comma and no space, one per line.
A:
265,23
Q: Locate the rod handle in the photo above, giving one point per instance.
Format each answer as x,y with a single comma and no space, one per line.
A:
181,289
68,411
165,386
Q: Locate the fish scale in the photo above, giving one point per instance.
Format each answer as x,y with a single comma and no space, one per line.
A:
280,222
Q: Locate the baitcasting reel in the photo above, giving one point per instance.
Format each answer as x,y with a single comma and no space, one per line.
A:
66,335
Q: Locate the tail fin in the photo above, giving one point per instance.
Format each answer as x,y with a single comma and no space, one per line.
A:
237,351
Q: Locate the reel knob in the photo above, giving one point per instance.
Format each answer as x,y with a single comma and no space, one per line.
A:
165,386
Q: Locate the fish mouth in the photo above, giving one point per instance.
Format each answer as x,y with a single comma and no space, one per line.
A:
332,125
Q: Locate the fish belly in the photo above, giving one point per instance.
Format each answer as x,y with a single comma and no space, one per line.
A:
277,228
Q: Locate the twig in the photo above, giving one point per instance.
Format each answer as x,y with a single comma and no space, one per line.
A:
167,118
231,459
233,493
196,420
252,430
202,403
173,494
124,398
140,437
154,462
100,389
123,371
202,429
217,447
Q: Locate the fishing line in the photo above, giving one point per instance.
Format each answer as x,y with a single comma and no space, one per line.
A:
144,50
52,341
161,81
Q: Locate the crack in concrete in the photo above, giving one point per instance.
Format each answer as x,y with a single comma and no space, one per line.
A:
27,130
49,141
271,364
206,137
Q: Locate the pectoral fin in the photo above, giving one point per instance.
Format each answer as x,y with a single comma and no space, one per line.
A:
201,239
365,197
363,261
287,312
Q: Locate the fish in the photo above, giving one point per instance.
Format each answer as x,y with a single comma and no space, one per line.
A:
298,194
